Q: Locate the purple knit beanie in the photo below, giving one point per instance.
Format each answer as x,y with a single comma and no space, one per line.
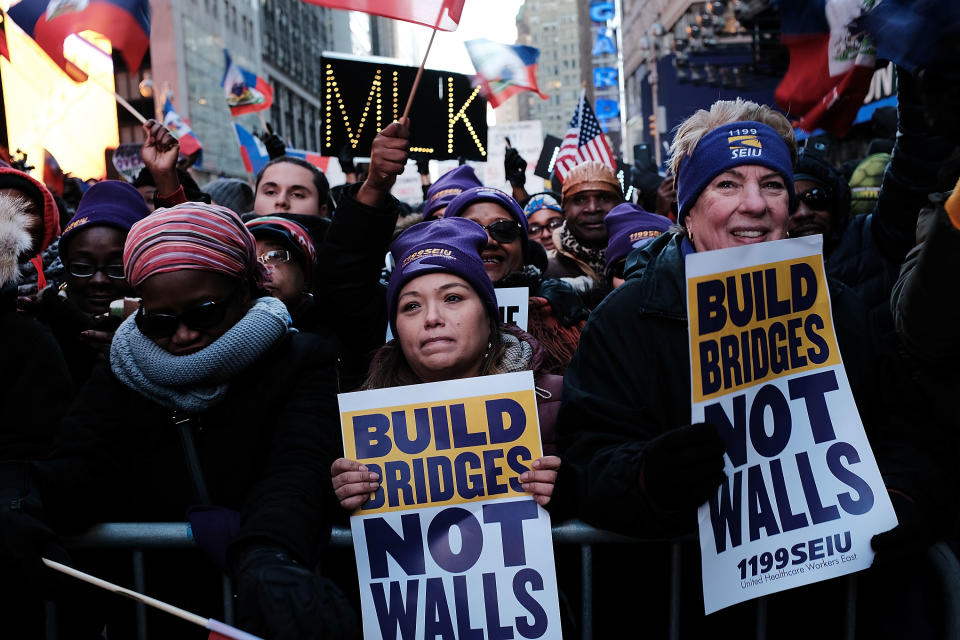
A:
447,245
109,203
630,227
449,186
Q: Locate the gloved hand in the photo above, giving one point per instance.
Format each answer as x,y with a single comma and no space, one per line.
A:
564,300
514,166
423,164
276,146
912,535
24,537
345,158
683,467
280,599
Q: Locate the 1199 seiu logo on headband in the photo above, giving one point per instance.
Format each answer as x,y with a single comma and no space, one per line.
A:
744,143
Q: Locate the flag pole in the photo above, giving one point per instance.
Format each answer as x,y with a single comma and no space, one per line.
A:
206,623
129,107
416,81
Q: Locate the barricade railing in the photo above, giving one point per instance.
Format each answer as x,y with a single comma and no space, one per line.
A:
141,537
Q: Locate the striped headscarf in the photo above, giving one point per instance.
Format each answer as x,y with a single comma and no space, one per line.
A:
193,235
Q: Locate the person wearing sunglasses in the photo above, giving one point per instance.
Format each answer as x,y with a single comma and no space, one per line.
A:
544,216
556,313
91,251
213,410
822,203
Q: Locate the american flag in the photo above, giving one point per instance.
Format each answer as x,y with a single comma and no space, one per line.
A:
584,141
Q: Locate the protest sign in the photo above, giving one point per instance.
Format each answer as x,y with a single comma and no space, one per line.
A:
526,137
802,495
127,160
449,545
514,305
363,96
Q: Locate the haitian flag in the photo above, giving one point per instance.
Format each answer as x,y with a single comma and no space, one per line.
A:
254,154
244,91
437,14
830,67
189,144
504,69
125,22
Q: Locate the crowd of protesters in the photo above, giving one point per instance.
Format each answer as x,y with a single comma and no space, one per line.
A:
172,352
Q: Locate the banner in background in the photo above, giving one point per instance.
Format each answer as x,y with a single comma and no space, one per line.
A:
449,545
802,495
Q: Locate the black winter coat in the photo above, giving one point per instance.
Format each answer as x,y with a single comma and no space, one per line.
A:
35,385
630,381
265,450
350,293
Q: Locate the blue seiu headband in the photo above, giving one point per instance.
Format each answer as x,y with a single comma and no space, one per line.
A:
731,145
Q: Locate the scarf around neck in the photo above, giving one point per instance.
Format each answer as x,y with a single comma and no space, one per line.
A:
594,258
193,383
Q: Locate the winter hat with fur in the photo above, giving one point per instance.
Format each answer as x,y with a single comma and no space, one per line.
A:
14,239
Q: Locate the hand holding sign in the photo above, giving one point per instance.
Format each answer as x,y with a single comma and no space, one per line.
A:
541,478
388,157
683,467
352,483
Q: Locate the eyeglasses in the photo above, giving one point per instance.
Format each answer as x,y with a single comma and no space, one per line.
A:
275,257
87,270
201,317
504,231
815,198
552,223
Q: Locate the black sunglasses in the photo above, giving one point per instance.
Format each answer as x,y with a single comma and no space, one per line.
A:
816,198
87,270
202,317
552,224
504,231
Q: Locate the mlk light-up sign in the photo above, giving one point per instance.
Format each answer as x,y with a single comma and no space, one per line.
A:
606,77
361,97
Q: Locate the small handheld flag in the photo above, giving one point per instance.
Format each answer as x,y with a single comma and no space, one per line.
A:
189,144
438,14
217,628
125,22
244,91
504,69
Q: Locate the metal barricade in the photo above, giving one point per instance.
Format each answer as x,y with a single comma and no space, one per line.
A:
140,537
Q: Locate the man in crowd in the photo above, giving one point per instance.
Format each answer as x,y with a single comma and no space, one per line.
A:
590,191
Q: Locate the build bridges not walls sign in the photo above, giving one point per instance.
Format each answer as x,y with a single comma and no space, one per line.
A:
360,97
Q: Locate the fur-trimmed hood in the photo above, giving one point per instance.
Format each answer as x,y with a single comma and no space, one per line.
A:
14,239
10,177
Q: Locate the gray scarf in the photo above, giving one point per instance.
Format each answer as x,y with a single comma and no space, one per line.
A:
195,382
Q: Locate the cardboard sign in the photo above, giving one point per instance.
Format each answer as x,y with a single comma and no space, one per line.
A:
527,138
802,495
450,545
448,116
514,305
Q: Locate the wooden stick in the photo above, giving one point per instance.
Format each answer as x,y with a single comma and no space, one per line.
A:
416,81
139,597
263,122
129,107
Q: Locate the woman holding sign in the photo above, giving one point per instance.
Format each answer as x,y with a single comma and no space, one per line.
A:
625,423
443,312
